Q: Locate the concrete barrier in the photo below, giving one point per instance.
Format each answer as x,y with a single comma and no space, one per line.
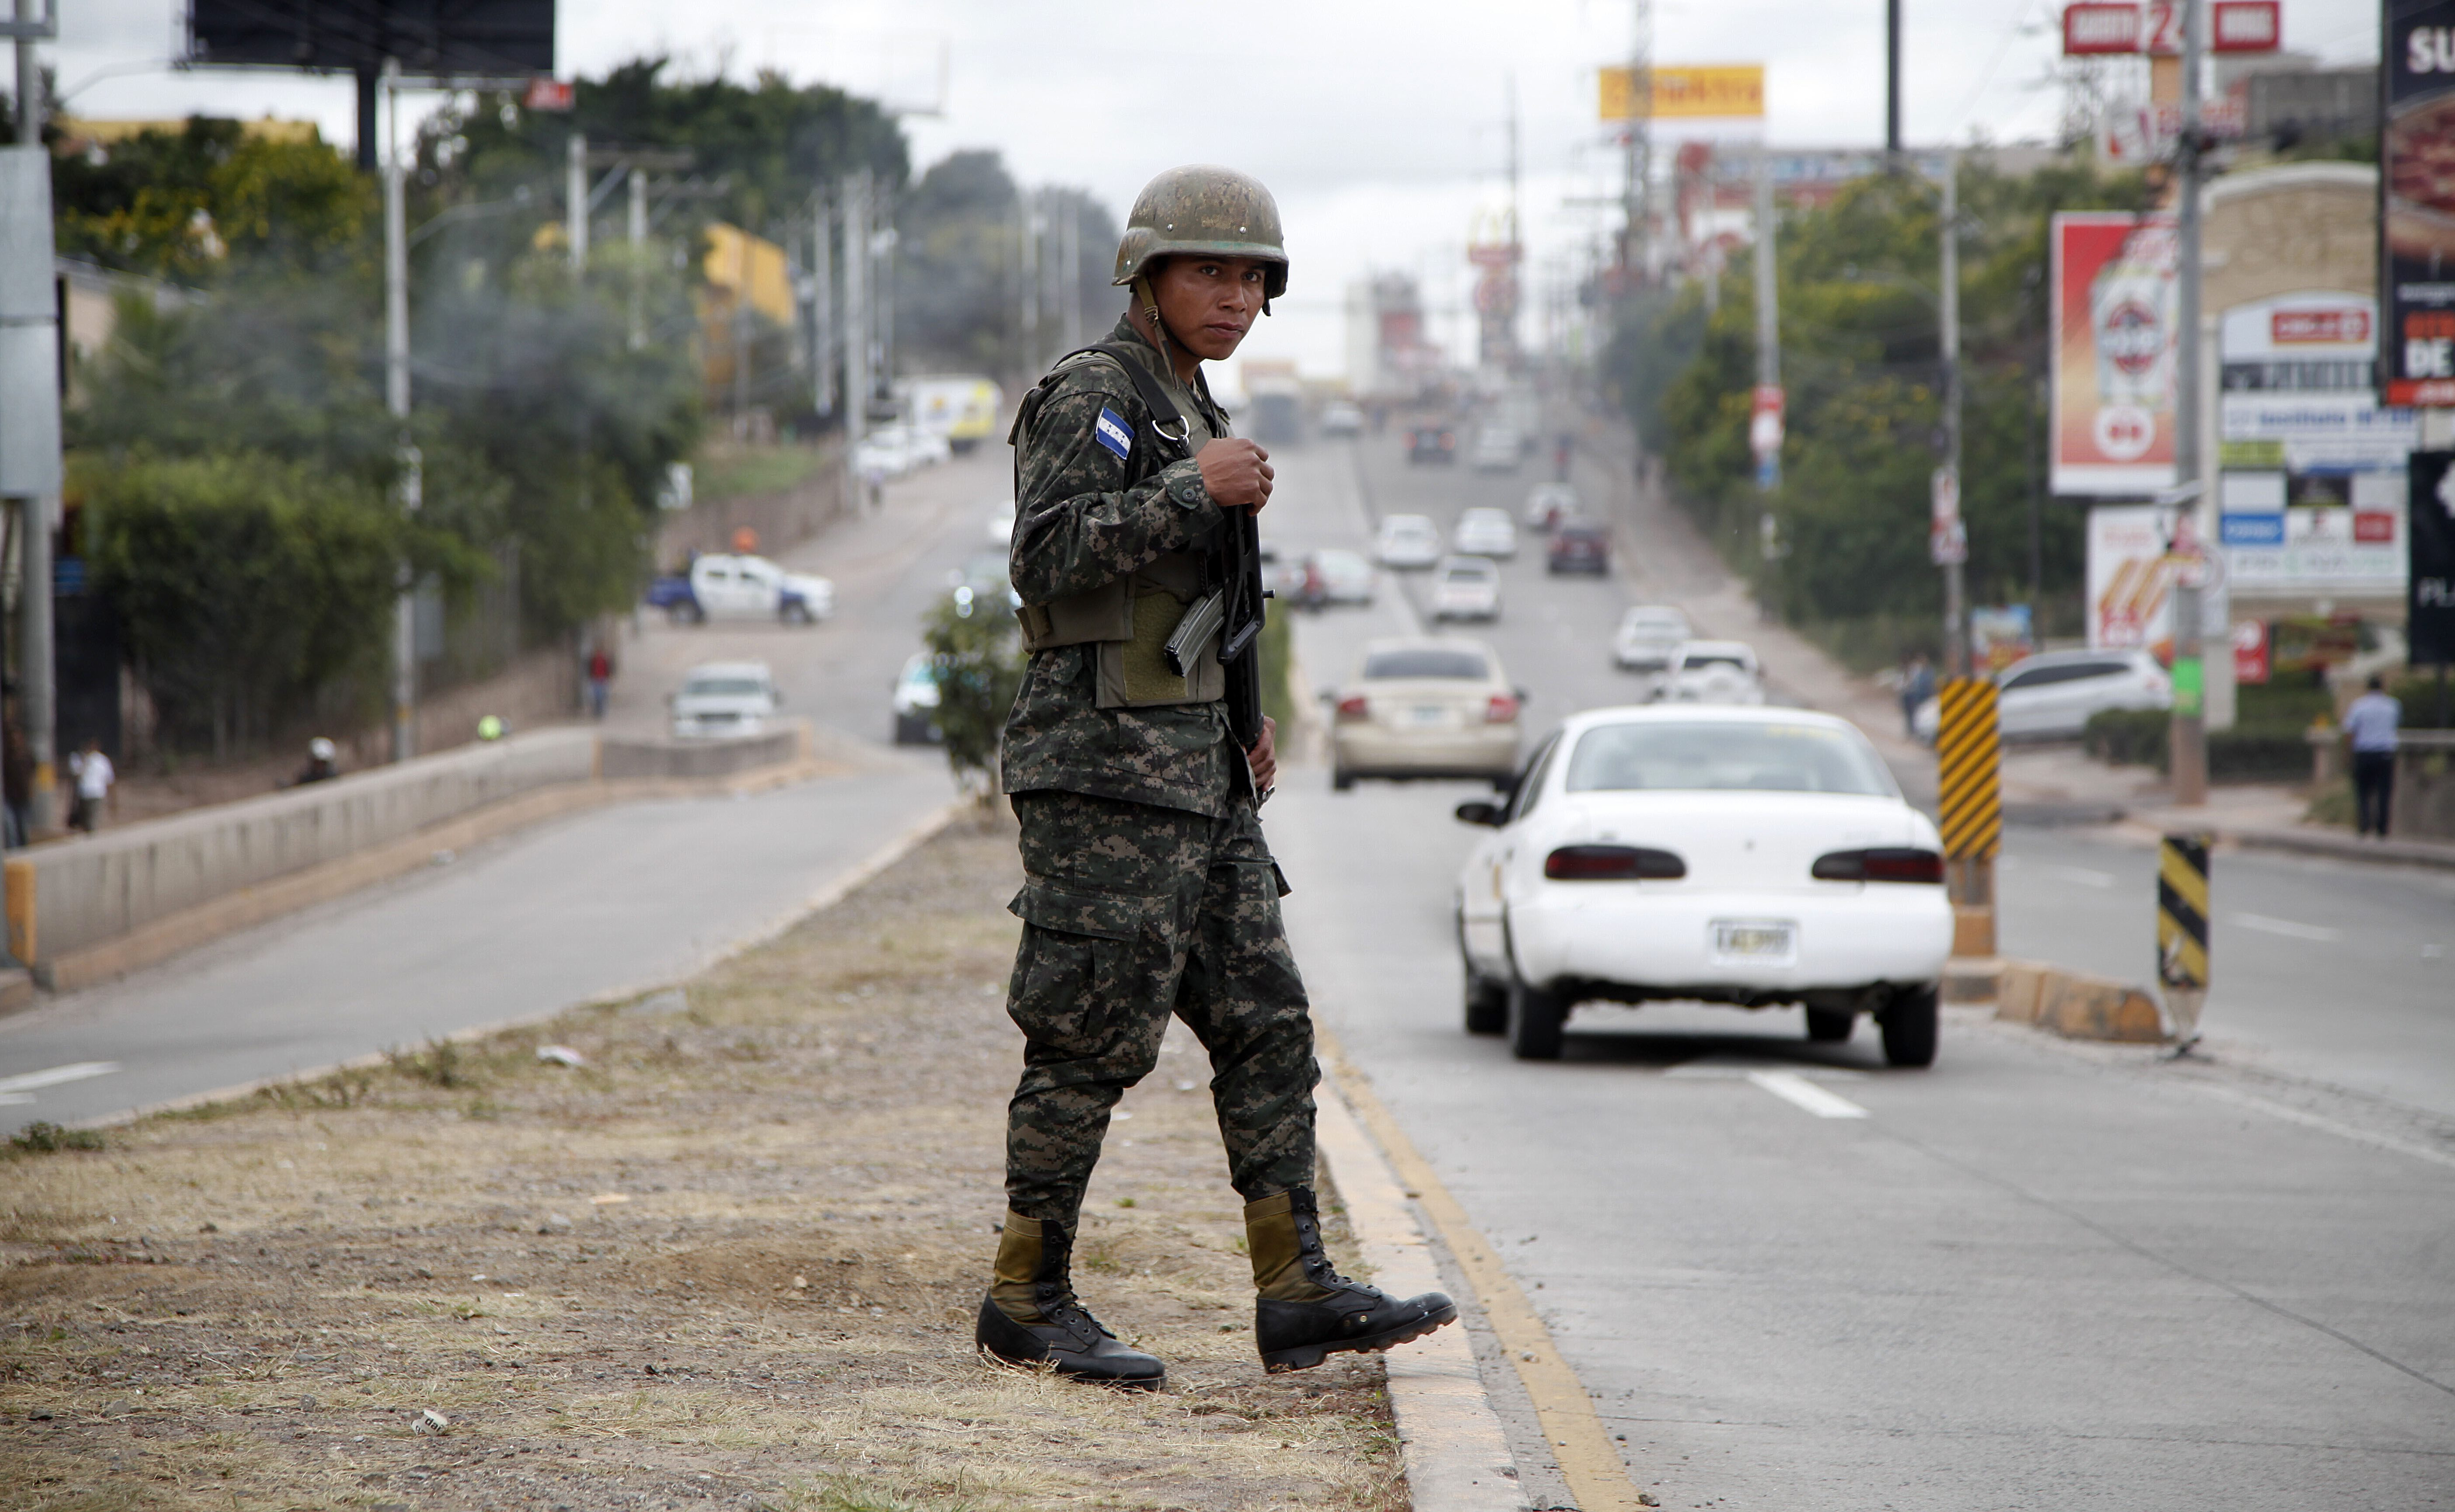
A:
83,910
2076,1005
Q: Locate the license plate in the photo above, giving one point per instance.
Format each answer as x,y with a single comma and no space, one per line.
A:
1426,716
1755,940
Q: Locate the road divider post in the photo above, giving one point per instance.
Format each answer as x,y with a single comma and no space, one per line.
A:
1968,753
2183,933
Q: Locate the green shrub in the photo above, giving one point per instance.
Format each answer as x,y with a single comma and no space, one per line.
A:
2258,756
43,1139
978,664
2128,736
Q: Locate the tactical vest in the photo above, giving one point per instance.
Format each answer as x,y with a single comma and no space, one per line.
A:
1130,619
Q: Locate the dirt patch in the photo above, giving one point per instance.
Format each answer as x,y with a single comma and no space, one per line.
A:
733,1258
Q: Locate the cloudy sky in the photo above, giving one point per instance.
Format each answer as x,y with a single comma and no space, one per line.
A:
1381,127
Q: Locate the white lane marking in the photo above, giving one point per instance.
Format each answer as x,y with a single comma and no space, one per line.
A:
52,1077
2325,1125
2287,927
2080,874
1799,1091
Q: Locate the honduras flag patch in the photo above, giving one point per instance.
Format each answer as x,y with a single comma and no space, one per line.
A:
1114,433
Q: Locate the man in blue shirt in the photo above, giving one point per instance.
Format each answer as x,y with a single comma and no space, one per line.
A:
2371,723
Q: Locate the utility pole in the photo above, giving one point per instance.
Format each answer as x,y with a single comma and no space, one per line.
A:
1768,318
741,333
822,307
1635,213
635,225
575,194
1956,612
855,324
882,283
1028,206
396,397
30,411
1069,270
2188,742
1891,86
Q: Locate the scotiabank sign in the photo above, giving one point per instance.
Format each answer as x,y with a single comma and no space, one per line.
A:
2417,204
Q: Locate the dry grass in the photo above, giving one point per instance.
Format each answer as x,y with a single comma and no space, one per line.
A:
732,1259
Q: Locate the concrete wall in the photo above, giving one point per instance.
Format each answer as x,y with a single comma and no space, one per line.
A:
781,519
703,758
75,894
2425,787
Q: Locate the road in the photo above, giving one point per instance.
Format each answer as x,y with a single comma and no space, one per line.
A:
2035,1275
568,913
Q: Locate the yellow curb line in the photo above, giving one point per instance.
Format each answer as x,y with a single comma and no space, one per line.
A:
1597,1476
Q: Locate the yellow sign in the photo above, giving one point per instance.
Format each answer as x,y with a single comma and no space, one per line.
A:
1703,91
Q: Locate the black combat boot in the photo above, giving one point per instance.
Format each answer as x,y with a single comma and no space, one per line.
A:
1030,1316
1306,1310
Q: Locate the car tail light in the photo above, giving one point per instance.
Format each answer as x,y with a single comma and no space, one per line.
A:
1353,707
1500,710
1883,864
1612,863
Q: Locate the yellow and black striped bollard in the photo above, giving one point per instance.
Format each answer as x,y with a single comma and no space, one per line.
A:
1969,788
2183,932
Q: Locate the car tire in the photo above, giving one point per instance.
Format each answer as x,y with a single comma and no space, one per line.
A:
1341,780
1486,1004
1910,1026
1830,1026
1536,1018
797,614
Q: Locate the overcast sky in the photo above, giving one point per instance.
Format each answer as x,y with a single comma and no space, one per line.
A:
1381,127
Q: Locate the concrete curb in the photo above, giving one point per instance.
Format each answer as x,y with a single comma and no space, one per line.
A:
835,892
2078,1006
247,907
1456,1451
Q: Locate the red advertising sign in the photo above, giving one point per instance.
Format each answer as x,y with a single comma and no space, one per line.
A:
548,95
2234,26
2112,431
2341,325
2250,651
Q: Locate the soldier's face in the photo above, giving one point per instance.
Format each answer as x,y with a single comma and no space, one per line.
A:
1210,302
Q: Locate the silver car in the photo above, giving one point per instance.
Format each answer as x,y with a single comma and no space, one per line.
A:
1408,540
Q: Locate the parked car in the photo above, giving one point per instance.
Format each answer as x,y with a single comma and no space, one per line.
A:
916,701
1713,672
1498,449
1578,546
723,586
719,698
1425,708
1466,588
1433,444
1338,417
1334,576
1408,540
1648,635
2051,695
1549,504
1757,857
1485,533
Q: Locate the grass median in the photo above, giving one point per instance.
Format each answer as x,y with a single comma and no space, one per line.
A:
732,1256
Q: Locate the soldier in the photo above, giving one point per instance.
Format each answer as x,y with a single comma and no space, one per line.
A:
1148,889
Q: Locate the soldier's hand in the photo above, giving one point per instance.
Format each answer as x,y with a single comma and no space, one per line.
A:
1264,756
1235,471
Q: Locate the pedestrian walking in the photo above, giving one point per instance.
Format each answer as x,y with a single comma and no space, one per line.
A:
601,674
2371,724
97,782
1917,686
1148,888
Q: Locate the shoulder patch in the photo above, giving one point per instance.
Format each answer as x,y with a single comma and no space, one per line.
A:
1114,433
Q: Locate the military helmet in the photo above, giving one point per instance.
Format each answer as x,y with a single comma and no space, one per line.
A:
1200,208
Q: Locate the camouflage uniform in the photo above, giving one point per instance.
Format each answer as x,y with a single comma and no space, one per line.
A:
1148,888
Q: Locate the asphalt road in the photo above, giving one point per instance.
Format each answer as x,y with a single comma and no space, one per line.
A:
2034,1276
568,913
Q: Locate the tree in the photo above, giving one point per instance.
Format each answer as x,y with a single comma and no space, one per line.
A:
195,204
976,657
245,582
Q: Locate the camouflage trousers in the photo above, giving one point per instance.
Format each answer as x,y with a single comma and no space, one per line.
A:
1132,913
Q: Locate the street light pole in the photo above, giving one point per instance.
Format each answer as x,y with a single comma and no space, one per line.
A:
2187,743
404,613
1956,612
38,482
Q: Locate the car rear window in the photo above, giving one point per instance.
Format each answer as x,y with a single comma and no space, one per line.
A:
1426,661
1470,572
1699,660
723,687
1581,533
1726,755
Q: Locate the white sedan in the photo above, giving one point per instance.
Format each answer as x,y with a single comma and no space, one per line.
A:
1466,588
1713,672
1744,856
1408,540
1485,533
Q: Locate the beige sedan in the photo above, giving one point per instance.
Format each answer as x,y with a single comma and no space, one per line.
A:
1425,708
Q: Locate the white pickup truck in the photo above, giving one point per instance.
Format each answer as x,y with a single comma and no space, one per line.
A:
726,586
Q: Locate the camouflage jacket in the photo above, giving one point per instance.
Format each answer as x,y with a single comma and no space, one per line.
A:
1079,524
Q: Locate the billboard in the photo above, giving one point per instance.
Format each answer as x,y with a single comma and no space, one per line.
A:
431,38
2417,202
2111,434
2429,602
1689,101
2137,553
2310,486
